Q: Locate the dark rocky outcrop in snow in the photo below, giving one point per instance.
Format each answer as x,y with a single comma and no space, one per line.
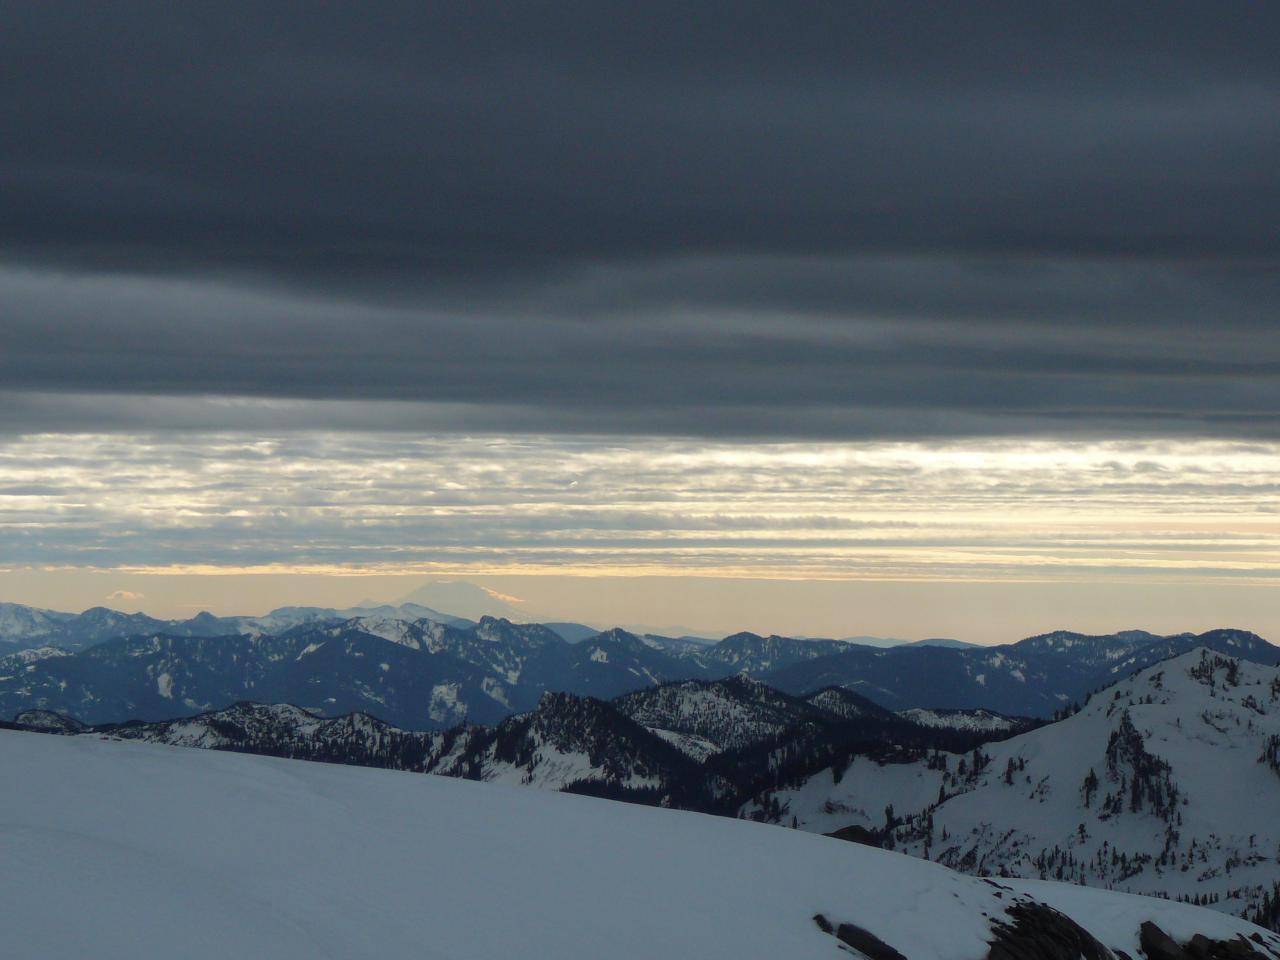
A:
866,943
1034,931
1030,930
1158,945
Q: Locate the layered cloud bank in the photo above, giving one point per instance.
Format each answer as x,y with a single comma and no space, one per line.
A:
309,501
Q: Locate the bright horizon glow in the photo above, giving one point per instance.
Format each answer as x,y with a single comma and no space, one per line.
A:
1026,516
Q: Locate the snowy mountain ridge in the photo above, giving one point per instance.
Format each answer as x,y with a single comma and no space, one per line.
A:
704,745
1165,783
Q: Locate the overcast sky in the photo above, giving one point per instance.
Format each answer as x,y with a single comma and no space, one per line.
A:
253,254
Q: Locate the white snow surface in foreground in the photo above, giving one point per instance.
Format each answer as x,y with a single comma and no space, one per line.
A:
130,850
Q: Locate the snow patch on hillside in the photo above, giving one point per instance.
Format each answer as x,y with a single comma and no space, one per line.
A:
983,721
695,747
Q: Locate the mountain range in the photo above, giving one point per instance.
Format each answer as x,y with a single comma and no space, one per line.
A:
421,669
22,627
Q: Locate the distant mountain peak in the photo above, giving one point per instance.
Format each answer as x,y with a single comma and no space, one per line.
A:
462,598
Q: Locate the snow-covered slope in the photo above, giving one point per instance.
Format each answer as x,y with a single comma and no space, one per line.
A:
203,854
584,744
1161,783
978,720
862,794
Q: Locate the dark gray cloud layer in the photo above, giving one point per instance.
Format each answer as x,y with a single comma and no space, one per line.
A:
836,220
